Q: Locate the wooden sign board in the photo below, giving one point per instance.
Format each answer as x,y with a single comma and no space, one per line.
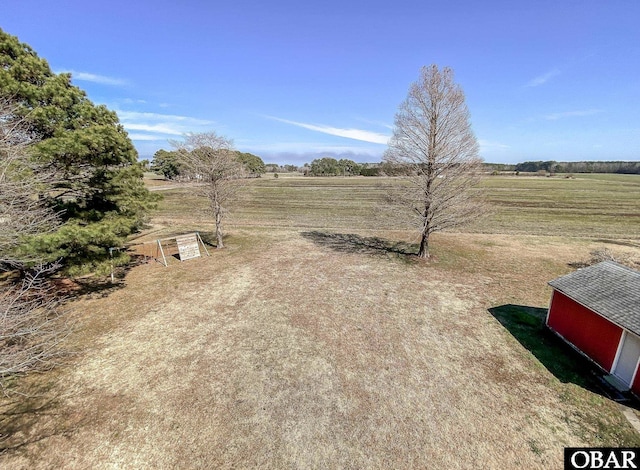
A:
188,246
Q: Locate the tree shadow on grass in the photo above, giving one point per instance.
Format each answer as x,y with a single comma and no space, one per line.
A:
97,285
209,239
30,416
527,325
352,243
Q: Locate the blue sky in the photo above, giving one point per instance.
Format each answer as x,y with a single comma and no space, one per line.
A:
293,81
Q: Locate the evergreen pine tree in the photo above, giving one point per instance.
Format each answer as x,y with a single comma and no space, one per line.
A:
99,189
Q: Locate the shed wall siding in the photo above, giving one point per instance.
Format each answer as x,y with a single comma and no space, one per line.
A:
636,384
589,332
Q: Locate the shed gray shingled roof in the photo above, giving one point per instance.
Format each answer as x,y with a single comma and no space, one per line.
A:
607,288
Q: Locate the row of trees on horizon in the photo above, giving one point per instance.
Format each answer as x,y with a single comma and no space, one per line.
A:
170,165
166,163
552,166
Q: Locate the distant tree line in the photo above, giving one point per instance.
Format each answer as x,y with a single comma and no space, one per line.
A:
276,168
552,166
170,164
166,163
490,167
328,166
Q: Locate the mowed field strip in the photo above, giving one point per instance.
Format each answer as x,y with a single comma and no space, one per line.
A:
315,341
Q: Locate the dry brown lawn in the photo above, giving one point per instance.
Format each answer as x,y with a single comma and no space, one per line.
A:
299,349
312,341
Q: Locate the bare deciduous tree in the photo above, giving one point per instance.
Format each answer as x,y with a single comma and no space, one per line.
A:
31,324
22,182
434,145
209,159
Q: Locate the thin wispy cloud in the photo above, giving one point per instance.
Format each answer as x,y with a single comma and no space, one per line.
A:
156,126
542,79
303,147
134,101
569,114
146,137
95,78
356,134
491,145
376,123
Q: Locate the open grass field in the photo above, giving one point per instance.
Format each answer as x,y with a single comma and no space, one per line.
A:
314,340
594,206
587,205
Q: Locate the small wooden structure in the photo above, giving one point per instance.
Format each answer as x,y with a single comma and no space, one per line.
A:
185,247
597,310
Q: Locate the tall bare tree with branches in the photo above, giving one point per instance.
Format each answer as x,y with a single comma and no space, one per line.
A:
209,159
31,327
436,150
22,183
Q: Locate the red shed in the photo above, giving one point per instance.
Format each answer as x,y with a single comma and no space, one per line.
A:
597,311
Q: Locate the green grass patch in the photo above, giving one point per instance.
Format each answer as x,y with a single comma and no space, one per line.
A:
526,324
